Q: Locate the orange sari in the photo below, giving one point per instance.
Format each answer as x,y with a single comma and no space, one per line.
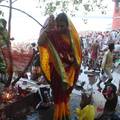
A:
60,62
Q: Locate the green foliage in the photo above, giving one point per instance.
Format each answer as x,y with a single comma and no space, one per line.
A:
58,3
2,66
64,6
77,2
3,33
50,8
72,6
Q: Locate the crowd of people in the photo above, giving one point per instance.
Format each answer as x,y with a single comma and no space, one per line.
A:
98,54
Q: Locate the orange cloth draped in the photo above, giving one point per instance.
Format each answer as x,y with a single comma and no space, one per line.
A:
60,62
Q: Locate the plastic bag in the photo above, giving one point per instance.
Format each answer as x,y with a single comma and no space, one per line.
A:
99,103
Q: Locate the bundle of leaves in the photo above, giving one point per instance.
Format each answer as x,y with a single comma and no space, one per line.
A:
2,66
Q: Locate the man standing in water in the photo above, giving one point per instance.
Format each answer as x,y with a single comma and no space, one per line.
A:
60,60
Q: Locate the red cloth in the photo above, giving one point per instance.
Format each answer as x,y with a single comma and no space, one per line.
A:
63,48
20,60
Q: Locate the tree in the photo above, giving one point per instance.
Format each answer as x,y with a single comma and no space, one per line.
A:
10,65
73,7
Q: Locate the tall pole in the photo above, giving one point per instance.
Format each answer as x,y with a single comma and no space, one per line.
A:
10,64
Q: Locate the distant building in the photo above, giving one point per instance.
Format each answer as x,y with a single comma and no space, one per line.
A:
116,15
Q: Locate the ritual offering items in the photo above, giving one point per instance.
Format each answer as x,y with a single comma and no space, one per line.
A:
24,98
14,103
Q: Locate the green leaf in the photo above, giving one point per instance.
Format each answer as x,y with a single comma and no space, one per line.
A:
57,3
2,66
78,1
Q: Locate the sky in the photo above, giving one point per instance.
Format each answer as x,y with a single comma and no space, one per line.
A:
25,29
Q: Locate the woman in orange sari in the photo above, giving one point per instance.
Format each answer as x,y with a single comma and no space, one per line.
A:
60,60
